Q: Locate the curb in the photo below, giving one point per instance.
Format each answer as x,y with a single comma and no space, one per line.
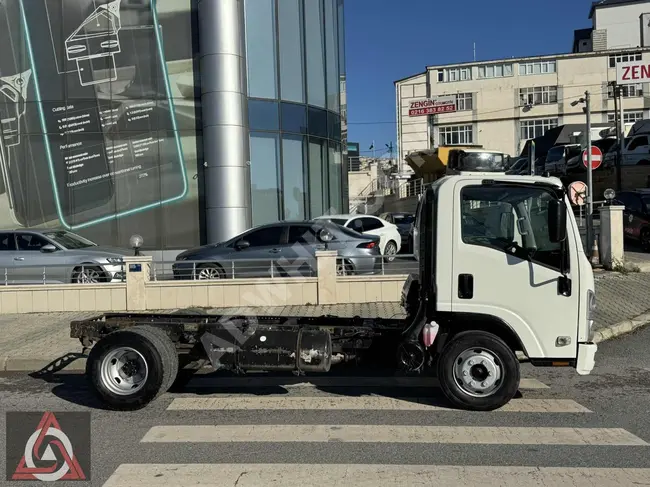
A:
34,365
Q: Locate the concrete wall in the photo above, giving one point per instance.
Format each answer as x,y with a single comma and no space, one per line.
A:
496,114
622,24
139,293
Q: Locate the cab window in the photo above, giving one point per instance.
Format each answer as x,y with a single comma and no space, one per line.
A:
504,217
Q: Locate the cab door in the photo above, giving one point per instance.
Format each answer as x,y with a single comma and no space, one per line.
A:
505,266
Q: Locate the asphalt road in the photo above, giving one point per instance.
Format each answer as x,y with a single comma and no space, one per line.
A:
307,432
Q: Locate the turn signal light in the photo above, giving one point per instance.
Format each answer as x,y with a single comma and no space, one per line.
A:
369,245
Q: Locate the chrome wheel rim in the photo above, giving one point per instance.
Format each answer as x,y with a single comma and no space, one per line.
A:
390,251
209,273
478,372
88,276
124,371
340,270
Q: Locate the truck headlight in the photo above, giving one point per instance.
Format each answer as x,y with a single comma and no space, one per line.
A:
591,311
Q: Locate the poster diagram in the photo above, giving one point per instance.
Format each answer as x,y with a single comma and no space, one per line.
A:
13,97
94,44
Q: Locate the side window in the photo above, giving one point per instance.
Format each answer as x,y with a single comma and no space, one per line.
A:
630,201
499,217
371,224
265,236
357,225
28,241
302,234
7,242
638,142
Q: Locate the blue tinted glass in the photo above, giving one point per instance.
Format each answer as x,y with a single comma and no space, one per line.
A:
294,118
263,115
333,126
317,122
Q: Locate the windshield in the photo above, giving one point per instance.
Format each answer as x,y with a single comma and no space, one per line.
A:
403,219
483,161
338,221
69,240
604,145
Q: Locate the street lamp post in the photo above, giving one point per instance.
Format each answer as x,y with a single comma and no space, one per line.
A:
590,183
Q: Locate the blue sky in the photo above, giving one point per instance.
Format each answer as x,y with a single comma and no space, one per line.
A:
389,39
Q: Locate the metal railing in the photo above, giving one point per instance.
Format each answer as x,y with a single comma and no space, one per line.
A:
62,274
376,265
211,270
411,188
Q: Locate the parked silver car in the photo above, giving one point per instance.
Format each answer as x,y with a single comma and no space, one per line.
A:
56,256
280,249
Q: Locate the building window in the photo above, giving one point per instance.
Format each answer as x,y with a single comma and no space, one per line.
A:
628,117
543,67
536,128
495,71
261,53
291,40
538,95
464,101
454,74
457,134
315,52
614,59
627,91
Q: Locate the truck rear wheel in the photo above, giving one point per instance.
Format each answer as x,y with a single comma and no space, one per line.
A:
478,371
130,368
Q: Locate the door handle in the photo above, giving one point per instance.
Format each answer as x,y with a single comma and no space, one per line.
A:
19,258
465,286
274,251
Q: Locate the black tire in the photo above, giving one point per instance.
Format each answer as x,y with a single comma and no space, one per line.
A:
216,268
161,358
507,386
390,258
76,273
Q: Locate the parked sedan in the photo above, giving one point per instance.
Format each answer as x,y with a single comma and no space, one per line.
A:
390,240
54,256
281,249
404,223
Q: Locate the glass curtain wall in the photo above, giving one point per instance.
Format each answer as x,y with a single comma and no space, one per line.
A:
295,62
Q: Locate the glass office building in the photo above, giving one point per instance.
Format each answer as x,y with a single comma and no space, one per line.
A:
186,121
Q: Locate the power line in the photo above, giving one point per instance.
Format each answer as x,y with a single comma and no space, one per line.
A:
394,122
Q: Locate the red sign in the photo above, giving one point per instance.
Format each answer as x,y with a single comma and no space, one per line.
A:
431,107
596,157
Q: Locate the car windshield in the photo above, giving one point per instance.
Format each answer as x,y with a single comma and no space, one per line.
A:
403,219
69,240
338,221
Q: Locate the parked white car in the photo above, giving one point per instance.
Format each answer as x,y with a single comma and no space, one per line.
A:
390,240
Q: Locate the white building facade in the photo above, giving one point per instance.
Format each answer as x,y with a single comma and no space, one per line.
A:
500,104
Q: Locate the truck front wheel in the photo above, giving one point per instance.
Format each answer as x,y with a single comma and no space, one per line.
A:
478,371
130,368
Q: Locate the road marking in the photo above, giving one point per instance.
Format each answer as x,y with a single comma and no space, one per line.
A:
391,434
280,403
304,475
289,382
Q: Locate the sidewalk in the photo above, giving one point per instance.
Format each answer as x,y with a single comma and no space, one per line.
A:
31,342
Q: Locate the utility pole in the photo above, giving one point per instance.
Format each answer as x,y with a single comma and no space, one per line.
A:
590,180
617,121
531,156
621,138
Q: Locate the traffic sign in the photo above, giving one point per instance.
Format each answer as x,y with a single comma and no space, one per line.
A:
596,157
578,193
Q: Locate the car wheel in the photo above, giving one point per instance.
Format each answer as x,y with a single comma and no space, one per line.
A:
478,371
390,251
130,368
344,268
209,272
645,240
88,275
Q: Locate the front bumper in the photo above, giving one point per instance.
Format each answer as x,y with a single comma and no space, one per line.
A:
586,358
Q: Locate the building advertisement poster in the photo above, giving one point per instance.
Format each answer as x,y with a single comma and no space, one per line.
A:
441,104
100,125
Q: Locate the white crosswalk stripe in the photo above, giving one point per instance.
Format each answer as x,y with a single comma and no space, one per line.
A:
215,428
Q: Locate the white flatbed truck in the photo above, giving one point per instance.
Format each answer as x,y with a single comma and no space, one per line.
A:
501,270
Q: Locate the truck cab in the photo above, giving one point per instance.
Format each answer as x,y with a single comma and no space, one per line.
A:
501,270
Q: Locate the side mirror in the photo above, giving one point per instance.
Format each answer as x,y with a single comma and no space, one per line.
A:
556,221
48,249
242,244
